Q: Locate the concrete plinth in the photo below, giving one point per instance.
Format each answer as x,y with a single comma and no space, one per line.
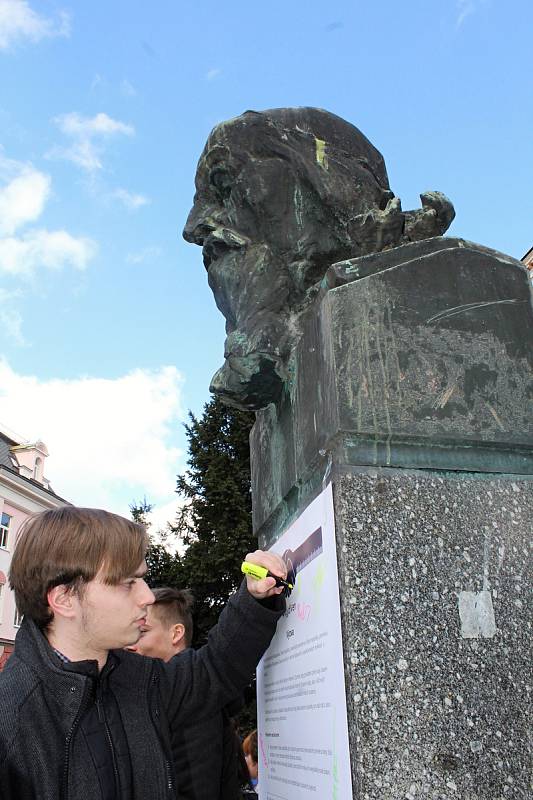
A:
434,578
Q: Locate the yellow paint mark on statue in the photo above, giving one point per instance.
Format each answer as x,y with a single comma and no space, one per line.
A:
321,153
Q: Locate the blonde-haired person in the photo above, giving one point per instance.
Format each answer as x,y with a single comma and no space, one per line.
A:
81,717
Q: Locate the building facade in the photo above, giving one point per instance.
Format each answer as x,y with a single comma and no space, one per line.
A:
23,491
527,259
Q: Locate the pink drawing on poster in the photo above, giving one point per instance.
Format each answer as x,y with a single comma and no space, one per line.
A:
263,751
303,610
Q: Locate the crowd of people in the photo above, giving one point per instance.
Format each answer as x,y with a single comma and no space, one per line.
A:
103,696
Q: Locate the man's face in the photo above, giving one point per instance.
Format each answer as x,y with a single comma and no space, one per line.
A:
112,617
156,638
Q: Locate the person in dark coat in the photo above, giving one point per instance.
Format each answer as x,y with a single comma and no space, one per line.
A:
205,752
81,717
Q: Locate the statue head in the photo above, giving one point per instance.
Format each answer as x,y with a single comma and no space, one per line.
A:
280,196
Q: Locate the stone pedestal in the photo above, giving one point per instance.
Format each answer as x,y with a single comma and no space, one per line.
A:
412,391
434,578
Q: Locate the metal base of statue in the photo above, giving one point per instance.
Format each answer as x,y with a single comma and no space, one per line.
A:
411,390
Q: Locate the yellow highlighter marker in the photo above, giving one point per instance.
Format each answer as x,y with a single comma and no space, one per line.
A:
257,572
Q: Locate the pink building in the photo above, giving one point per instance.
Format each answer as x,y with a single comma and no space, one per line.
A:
23,491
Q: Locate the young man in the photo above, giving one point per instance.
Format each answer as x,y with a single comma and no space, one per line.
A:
205,752
168,628
80,717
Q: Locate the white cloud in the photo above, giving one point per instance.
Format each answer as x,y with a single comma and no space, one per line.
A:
213,73
19,21
10,317
130,200
75,125
24,192
97,81
87,135
111,441
141,256
35,249
465,8
23,197
127,89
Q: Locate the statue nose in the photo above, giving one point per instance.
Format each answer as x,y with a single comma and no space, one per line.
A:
200,223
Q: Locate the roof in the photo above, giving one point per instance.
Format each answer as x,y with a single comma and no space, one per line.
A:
528,257
11,436
5,454
9,464
32,482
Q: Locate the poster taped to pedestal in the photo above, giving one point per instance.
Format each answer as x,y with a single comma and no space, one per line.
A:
303,748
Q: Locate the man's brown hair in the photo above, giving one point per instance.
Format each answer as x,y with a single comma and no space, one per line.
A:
69,545
174,606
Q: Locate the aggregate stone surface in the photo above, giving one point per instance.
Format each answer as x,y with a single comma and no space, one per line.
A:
435,581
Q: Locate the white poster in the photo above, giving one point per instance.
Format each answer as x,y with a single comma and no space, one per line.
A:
302,724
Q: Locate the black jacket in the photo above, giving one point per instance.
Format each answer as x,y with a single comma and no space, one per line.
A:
43,753
205,758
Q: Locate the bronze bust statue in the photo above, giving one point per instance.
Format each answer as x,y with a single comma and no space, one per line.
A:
280,196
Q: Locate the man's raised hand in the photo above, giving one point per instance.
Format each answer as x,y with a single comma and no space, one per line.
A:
265,587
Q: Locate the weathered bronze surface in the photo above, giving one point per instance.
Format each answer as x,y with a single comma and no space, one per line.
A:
280,196
420,357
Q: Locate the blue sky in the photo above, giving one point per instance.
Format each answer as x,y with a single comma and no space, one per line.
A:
108,331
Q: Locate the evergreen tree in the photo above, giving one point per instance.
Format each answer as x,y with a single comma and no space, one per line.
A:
163,567
215,522
140,510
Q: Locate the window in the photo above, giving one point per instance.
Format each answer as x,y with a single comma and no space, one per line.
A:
4,529
37,468
18,618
